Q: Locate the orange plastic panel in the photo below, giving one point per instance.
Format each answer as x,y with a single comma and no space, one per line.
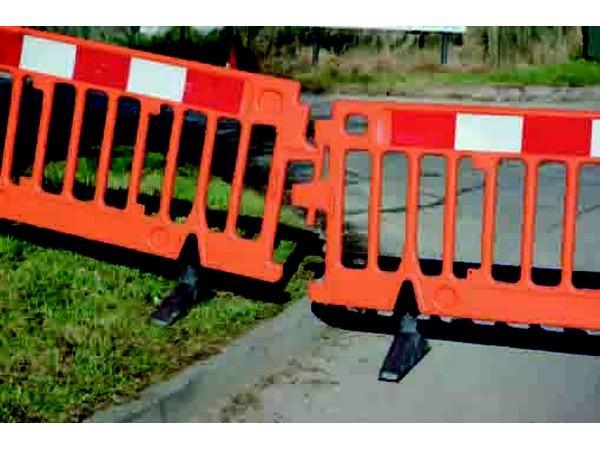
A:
153,80
487,135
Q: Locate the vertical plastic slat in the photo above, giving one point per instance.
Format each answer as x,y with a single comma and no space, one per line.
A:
412,209
139,152
450,214
42,138
105,149
374,209
335,218
204,173
273,195
528,229
570,213
237,185
171,164
311,213
489,219
11,128
71,164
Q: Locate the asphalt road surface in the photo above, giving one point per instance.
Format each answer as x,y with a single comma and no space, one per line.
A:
334,379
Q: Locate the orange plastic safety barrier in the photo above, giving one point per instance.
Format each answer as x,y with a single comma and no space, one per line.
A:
487,136
217,93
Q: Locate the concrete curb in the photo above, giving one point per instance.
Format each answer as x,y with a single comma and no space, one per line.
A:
541,95
190,394
487,93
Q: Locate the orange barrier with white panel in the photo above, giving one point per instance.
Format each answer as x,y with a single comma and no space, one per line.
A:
47,60
488,136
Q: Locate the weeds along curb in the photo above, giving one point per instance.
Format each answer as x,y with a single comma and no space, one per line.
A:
192,392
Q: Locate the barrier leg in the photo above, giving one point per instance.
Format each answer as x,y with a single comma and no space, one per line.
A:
180,300
405,352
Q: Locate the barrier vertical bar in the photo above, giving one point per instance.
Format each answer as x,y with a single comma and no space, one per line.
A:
237,185
335,218
139,152
412,209
374,209
42,137
205,163
274,194
528,228
71,164
105,149
450,214
171,164
11,128
570,214
311,213
489,218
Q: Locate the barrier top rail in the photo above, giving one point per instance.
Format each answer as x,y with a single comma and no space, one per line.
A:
137,72
517,130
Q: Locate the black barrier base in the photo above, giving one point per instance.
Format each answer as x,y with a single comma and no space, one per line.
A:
407,349
180,300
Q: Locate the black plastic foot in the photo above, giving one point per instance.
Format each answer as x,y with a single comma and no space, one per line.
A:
407,349
179,301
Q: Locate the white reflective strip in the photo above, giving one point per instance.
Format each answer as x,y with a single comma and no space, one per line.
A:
595,144
491,133
156,79
49,57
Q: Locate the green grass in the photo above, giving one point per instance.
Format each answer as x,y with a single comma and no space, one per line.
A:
572,73
75,334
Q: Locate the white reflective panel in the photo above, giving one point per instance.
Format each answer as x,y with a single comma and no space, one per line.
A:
48,57
486,132
595,144
156,79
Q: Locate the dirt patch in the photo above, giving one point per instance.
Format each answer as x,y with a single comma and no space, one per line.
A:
247,404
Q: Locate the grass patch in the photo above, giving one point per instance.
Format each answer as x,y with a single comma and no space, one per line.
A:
75,334
572,73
